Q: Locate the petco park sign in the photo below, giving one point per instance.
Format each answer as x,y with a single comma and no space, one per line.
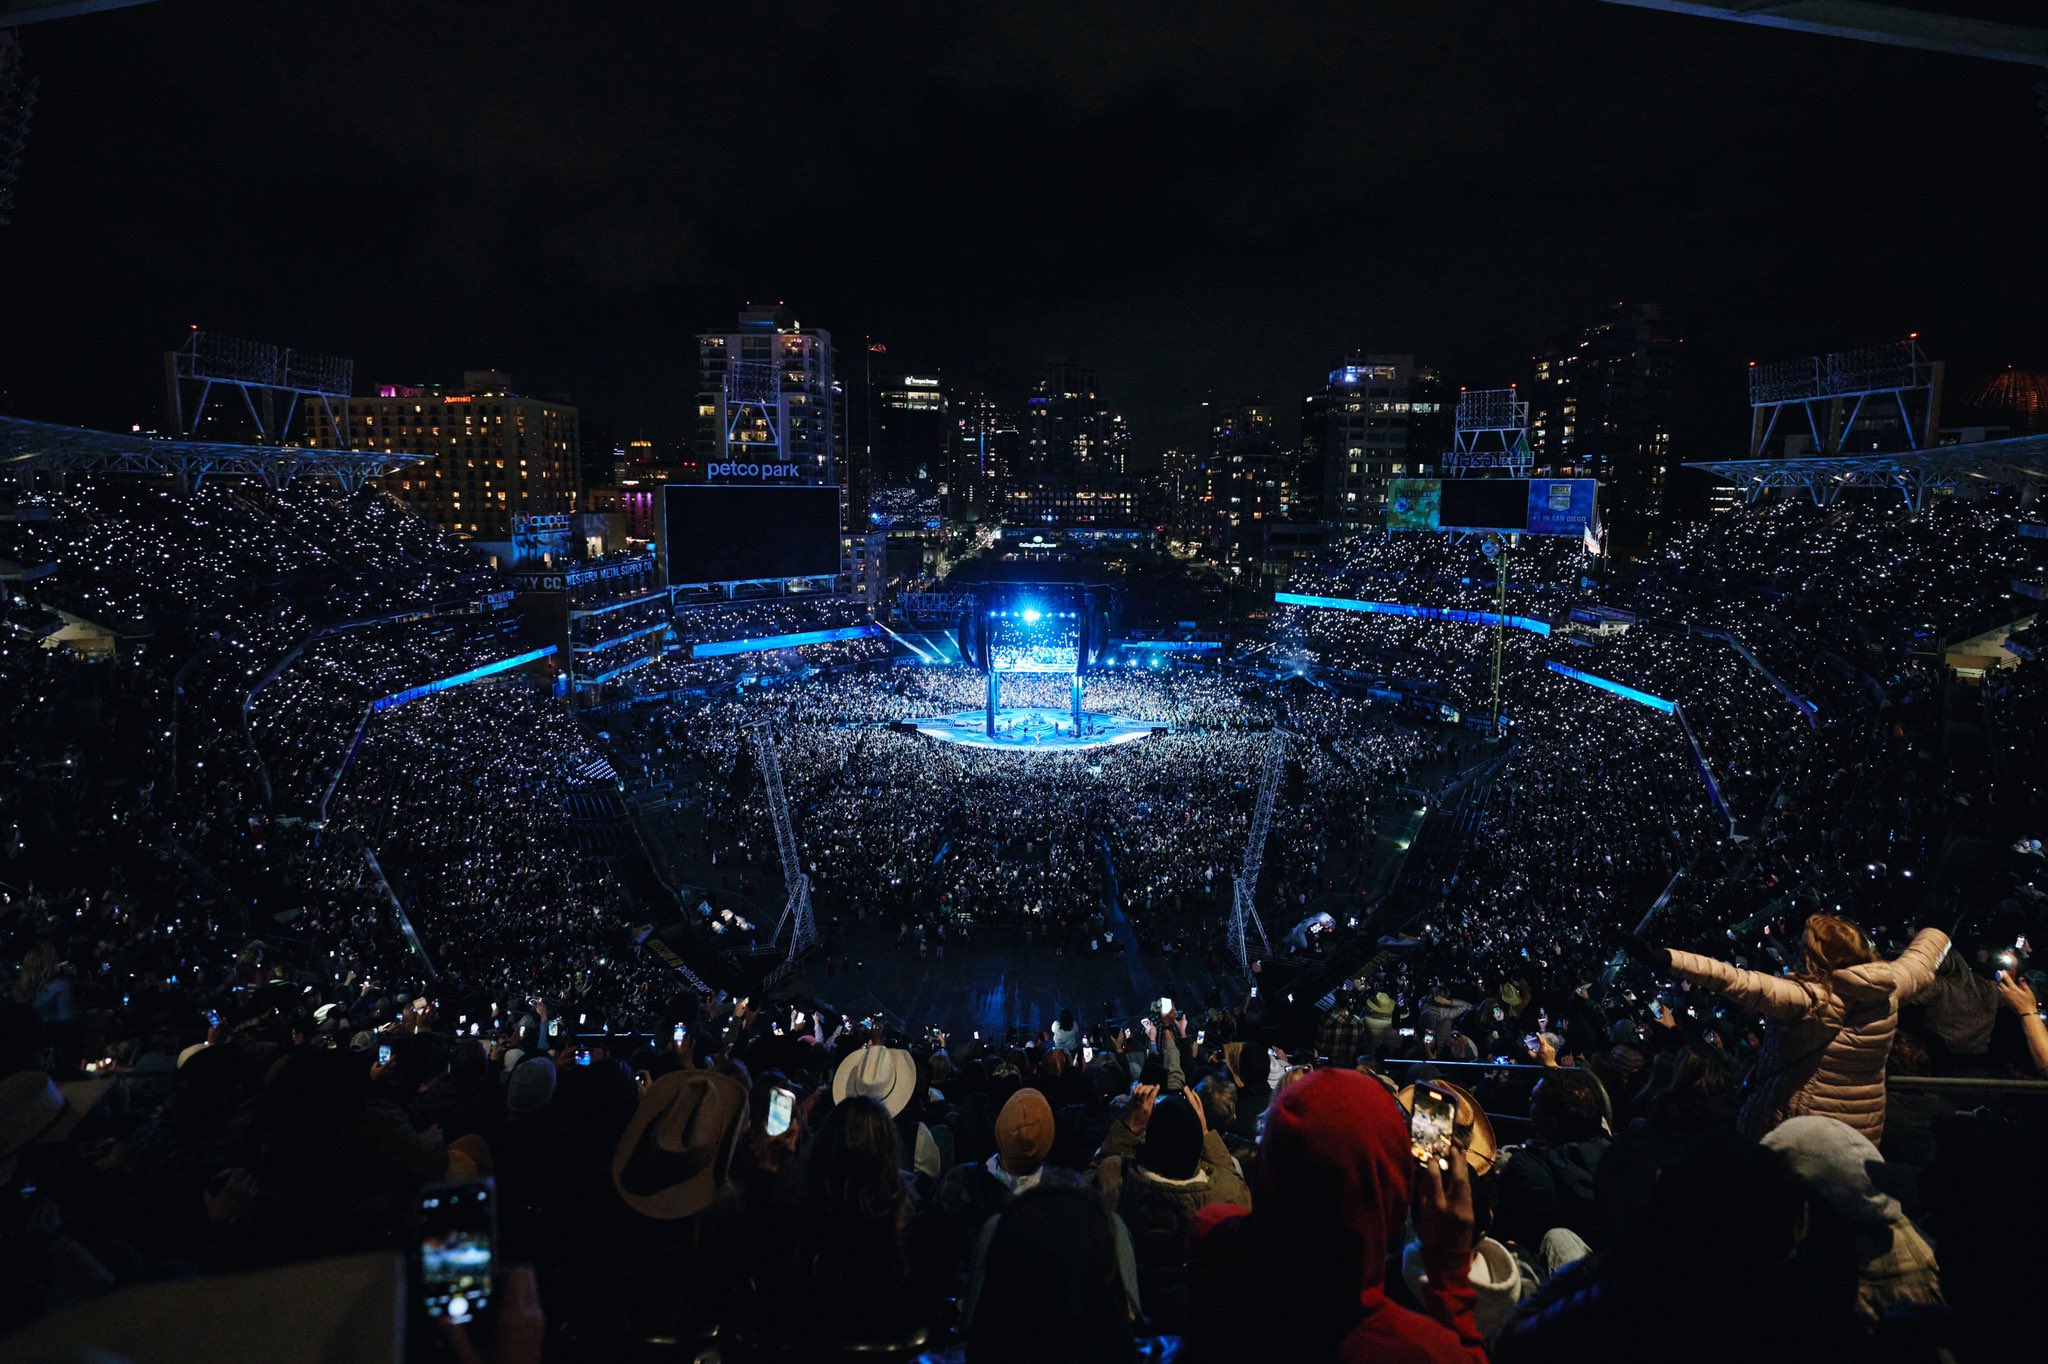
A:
735,470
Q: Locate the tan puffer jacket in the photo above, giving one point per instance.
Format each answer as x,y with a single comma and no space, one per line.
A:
1825,1049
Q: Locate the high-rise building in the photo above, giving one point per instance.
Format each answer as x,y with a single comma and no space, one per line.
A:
1380,417
1181,489
988,444
1069,429
1247,477
911,429
497,454
769,407
1600,406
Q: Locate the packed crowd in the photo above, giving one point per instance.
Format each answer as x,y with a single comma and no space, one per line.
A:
206,984
773,1179
303,717
679,671
939,838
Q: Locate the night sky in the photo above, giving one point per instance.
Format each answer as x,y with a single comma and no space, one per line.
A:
1198,200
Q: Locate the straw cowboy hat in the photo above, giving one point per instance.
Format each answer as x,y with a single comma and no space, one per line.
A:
673,1156
37,1111
1471,1125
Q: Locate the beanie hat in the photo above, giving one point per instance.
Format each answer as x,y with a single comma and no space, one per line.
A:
1024,1131
1173,1140
531,1087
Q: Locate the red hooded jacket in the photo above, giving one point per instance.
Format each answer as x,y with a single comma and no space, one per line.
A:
1301,1276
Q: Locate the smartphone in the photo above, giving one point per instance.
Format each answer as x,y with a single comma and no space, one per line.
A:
582,1058
554,1027
1255,992
384,1055
1431,1125
1164,1006
1533,1044
781,1103
213,1018
1407,1032
681,1033
1087,1053
458,1252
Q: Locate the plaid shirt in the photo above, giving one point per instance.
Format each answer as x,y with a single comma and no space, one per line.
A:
1341,1038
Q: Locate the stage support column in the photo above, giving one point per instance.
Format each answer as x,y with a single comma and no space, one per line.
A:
1077,705
995,699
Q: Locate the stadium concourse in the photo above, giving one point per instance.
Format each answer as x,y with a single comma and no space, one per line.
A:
296,932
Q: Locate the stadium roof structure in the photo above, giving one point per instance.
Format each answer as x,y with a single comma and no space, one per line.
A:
79,450
2020,461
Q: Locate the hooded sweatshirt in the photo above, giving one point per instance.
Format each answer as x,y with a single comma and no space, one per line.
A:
1330,1200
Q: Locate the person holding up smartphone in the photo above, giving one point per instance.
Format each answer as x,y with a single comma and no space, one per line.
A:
2018,996
1338,1176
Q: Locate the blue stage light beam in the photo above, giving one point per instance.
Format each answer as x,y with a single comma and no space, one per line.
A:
922,656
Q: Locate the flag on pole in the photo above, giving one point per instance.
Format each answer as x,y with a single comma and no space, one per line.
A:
877,348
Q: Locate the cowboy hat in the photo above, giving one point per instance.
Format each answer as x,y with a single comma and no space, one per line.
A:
673,1156
37,1111
1471,1125
885,1074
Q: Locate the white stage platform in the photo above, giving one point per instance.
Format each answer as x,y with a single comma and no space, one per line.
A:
1034,729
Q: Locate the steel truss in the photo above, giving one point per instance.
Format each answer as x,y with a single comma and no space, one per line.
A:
2020,462
796,910
71,449
264,375
1492,432
1830,392
753,392
1244,888
945,606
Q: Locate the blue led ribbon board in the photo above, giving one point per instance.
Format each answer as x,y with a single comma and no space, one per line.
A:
1641,698
1387,608
766,642
502,665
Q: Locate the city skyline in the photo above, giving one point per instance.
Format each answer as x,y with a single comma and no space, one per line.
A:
1263,195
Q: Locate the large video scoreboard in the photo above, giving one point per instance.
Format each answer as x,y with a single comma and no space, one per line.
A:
1528,506
723,532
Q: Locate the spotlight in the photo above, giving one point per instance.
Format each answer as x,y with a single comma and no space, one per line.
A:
1030,616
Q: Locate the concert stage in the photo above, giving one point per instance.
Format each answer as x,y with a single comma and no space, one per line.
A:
1033,729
